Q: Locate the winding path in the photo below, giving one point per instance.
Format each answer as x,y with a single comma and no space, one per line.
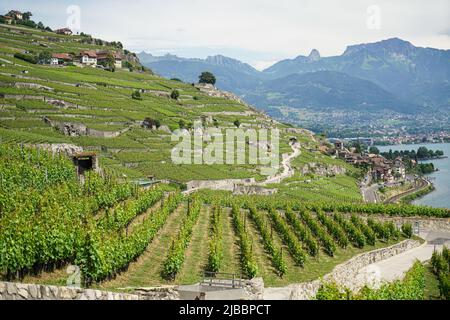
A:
394,268
288,171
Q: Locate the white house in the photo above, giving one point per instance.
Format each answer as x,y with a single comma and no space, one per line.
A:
88,58
60,58
15,14
399,168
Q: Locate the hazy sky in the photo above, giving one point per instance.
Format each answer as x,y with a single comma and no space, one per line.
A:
259,32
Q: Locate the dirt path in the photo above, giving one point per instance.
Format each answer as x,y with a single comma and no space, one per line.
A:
393,268
287,172
196,255
231,256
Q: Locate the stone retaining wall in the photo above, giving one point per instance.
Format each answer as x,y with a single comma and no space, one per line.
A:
433,224
226,184
20,291
344,274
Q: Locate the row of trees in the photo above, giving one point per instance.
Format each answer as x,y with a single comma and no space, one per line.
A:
421,154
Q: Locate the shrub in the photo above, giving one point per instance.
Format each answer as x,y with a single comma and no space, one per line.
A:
407,230
136,95
26,57
175,94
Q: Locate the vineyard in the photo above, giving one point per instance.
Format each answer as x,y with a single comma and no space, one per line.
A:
121,235
109,229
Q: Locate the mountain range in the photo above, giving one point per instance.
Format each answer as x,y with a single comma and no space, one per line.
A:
389,75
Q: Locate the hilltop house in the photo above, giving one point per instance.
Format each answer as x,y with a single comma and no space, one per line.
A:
60,58
16,15
88,57
8,19
65,31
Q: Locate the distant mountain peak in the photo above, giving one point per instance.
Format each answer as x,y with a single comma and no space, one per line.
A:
314,55
396,45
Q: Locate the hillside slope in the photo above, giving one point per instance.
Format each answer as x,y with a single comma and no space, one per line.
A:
93,108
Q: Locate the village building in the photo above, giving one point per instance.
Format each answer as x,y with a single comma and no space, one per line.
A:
60,59
88,58
103,55
8,19
399,169
339,145
65,31
118,60
17,15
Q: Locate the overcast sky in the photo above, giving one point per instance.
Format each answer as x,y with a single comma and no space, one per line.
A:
259,32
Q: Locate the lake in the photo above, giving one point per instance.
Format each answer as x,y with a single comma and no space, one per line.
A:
439,198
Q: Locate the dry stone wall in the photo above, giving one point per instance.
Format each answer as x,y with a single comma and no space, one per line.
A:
345,274
20,291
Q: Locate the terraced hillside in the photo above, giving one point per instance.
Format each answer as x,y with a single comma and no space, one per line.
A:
94,109
123,236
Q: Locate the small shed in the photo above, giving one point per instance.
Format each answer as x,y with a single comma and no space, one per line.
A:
85,161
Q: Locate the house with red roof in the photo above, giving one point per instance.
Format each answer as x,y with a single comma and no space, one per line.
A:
65,31
60,58
88,57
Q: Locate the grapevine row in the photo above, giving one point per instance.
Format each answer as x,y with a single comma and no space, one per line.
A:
369,234
289,238
320,233
102,255
334,229
385,231
266,234
247,260
302,233
180,242
215,245
354,234
122,215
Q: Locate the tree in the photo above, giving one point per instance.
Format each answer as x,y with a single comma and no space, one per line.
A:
182,124
136,95
110,62
151,123
45,57
374,150
422,153
175,94
40,25
237,123
207,78
27,15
